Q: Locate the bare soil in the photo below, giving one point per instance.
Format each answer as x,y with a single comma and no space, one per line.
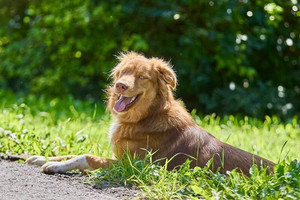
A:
21,181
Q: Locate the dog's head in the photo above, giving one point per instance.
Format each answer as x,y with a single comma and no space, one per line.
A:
139,84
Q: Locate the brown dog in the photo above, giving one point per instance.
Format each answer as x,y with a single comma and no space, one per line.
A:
148,117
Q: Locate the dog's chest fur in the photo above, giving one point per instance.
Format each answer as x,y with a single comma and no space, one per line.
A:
112,130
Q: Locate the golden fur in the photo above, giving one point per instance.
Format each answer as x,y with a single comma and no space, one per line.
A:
148,117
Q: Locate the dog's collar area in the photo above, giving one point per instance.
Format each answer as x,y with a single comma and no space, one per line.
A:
124,103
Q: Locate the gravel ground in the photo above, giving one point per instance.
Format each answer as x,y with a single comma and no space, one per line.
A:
21,181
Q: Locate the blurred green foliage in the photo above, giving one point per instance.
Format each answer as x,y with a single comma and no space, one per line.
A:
231,56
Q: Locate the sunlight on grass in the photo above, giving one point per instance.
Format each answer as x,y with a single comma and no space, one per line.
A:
185,183
265,138
53,127
37,126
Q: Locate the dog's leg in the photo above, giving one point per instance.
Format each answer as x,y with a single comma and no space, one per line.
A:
41,160
82,162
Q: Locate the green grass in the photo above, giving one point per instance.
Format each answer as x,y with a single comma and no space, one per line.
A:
51,127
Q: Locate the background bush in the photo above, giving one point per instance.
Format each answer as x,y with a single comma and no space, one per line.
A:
231,56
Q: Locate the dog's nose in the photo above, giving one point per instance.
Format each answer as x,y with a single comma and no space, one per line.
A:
121,87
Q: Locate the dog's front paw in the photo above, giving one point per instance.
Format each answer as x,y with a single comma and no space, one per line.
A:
36,160
54,167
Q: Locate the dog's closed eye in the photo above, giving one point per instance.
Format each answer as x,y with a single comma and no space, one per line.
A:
142,77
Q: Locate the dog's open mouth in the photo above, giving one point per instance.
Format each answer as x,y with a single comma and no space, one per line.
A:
124,103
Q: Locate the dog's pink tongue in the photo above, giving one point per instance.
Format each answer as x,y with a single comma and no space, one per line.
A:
121,104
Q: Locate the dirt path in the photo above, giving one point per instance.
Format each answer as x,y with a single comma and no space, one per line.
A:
21,181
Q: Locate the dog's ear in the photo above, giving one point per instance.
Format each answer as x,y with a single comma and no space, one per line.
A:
165,72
